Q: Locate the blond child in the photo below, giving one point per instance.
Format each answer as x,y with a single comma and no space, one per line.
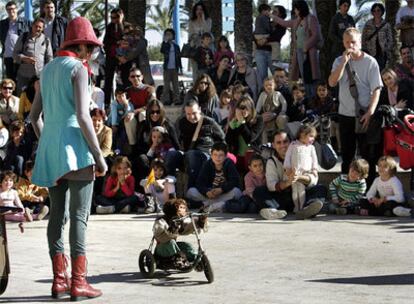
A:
347,189
386,192
302,160
272,106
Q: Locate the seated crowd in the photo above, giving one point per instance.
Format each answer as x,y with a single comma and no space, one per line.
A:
212,154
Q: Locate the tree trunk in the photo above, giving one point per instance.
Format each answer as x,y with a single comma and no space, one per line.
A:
136,13
243,26
214,8
325,10
123,4
391,9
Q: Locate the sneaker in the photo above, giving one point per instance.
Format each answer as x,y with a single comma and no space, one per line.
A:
272,213
43,212
401,211
340,211
28,215
126,209
149,209
310,210
105,209
216,207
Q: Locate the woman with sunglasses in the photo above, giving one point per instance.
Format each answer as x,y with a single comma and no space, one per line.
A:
155,117
204,92
377,36
9,104
245,131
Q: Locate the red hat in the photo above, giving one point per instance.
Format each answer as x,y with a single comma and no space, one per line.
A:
80,31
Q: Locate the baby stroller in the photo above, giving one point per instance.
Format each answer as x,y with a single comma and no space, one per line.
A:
399,136
148,260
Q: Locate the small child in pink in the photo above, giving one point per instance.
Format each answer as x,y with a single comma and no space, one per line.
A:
10,198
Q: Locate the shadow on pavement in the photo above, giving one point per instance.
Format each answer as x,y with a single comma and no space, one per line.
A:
34,299
395,279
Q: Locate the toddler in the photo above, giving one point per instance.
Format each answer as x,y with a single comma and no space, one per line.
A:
347,190
262,26
272,106
302,160
386,192
119,193
297,110
169,227
10,198
161,189
33,197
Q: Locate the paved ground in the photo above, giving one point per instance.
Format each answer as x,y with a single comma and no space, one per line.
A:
325,260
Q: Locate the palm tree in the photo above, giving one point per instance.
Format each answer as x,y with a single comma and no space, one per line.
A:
391,9
325,10
160,16
243,26
214,8
364,9
95,12
65,8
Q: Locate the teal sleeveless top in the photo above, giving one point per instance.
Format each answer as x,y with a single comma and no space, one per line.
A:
62,146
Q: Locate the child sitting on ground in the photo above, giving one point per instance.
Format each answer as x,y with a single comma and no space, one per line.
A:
301,158
272,106
119,193
10,198
347,190
386,195
32,196
297,110
161,189
167,228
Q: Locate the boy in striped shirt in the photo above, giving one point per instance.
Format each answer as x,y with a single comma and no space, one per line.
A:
347,190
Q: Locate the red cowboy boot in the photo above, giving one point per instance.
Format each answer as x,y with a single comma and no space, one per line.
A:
61,279
80,287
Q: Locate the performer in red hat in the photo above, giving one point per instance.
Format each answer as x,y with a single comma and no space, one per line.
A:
68,156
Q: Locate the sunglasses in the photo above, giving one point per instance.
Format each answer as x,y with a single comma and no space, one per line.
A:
135,76
156,112
8,88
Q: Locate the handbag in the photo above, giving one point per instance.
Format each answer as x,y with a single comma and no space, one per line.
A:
359,110
188,51
327,157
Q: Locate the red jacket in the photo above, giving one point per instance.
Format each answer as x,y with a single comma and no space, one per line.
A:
127,188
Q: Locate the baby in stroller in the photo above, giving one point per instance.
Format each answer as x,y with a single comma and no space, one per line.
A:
166,230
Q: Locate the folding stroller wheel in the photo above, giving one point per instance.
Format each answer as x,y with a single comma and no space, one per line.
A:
208,271
146,263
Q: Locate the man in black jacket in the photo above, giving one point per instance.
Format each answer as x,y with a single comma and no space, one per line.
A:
10,30
55,26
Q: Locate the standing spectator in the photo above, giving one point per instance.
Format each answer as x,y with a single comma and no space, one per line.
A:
377,36
404,21
220,74
196,148
263,53
223,49
398,93
9,104
405,69
204,92
356,107
10,30
113,34
242,73
199,23
305,36
32,52
172,67
55,26
98,95
339,23
139,94
277,34
245,131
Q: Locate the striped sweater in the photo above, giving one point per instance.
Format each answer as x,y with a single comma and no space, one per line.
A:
342,189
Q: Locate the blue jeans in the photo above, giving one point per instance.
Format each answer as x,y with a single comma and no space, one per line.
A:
192,159
263,64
